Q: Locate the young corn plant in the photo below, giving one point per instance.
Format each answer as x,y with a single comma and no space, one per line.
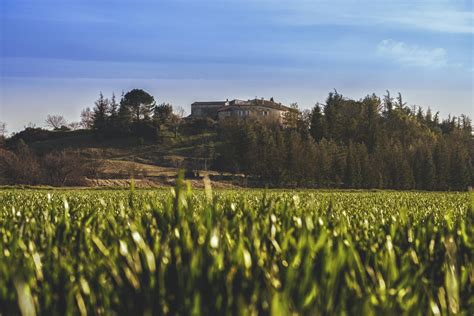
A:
250,252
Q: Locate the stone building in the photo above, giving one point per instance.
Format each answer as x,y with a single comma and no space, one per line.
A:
206,109
261,109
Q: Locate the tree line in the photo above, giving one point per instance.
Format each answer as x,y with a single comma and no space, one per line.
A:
136,114
368,143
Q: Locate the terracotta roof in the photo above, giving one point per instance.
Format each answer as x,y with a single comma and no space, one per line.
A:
257,102
270,104
209,103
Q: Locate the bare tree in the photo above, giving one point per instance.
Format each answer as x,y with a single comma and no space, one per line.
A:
177,118
3,133
74,126
20,166
87,118
58,168
179,111
63,167
3,129
55,121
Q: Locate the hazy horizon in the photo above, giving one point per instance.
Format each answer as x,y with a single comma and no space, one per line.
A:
56,56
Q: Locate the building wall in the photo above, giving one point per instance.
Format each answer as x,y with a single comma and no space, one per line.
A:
253,112
205,110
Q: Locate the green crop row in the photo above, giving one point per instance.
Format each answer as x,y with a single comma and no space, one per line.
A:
247,252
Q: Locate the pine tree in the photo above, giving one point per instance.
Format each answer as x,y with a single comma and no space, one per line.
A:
162,113
295,161
400,103
419,115
429,172
309,159
388,104
101,111
113,108
418,161
246,147
372,105
124,114
139,104
351,174
400,173
278,156
424,168
338,165
333,118
323,163
405,175
441,159
460,168
317,124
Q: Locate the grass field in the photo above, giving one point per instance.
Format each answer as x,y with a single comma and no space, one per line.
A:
235,252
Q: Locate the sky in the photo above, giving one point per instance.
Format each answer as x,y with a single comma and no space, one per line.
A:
57,55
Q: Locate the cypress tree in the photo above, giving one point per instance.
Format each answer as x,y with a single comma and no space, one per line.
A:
101,111
460,168
441,160
317,124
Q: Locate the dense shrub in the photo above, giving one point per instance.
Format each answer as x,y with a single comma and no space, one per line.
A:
59,168
20,167
31,135
198,125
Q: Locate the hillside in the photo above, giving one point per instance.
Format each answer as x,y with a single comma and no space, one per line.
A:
150,163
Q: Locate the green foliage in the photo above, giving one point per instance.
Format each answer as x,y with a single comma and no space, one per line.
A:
317,124
236,252
139,103
163,113
353,144
135,115
101,111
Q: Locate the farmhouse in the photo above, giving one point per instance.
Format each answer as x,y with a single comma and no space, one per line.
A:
261,109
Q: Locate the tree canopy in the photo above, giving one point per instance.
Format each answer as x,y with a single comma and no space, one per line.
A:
367,143
139,104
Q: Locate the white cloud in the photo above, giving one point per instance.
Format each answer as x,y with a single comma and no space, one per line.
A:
412,55
448,21
446,16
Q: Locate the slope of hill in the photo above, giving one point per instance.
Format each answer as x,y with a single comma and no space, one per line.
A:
150,163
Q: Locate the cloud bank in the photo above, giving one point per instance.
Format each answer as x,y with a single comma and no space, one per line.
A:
412,55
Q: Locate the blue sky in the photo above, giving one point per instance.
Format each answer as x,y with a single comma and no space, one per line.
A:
56,55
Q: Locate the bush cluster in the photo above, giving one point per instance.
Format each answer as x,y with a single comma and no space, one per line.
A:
58,168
